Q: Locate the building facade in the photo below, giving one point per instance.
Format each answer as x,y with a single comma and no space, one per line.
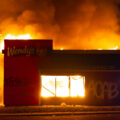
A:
35,74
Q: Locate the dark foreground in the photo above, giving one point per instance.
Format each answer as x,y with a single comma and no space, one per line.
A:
65,117
60,113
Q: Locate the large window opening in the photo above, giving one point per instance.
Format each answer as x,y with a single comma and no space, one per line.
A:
62,86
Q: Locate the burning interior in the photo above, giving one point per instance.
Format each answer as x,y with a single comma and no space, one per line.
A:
63,86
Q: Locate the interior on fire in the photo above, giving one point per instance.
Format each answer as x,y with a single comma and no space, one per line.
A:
63,86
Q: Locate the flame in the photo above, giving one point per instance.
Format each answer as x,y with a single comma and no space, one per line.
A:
10,36
1,46
61,49
26,36
63,86
77,86
114,48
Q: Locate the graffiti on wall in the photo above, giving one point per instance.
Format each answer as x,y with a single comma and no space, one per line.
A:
104,89
21,85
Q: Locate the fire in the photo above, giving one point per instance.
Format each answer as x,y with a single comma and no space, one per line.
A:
114,48
26,36
10,36
63,86
2,46
77,86
61,49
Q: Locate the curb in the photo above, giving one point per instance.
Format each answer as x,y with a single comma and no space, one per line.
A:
60,113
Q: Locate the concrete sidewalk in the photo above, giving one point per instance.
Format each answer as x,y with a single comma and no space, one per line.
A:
57,110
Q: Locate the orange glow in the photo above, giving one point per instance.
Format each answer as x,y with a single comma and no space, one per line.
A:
48,89
114,48
48,84
77,86
63,86
10,36
1,46
25,36
61,48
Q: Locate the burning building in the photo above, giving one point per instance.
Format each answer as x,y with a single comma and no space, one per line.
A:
35,74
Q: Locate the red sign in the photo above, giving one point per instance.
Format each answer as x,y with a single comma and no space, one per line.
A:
21,70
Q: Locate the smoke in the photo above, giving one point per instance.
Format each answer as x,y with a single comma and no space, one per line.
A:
89,24
72,24
28,16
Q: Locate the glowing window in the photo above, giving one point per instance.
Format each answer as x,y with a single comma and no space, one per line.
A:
48,86
63,86
77,86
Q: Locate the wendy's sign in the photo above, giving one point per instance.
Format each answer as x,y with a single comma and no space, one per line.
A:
22,59
27,50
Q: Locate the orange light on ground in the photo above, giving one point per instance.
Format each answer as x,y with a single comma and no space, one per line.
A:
63,86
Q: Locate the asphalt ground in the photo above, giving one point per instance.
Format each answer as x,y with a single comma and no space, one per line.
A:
58,110
63,117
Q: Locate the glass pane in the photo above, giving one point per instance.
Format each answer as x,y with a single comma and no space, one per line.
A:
59,86
62,86
77,86
48,86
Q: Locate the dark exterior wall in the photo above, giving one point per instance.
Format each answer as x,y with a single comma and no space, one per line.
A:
101,71
101,88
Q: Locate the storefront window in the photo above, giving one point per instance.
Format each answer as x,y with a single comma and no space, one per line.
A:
63,86
48,86
77,86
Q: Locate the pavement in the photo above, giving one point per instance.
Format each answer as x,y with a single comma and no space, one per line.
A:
65,117
57,110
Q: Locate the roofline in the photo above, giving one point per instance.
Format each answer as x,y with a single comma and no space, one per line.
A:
86,51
